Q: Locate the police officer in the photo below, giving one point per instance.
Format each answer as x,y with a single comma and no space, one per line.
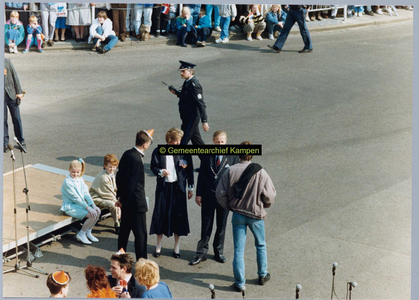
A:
296,13
191,105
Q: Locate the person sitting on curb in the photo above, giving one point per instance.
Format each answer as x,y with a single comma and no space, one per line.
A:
253,22
203,27
275,19
101,31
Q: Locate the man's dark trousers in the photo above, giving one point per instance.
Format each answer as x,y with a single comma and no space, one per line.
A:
209,207
135,221
191,132
295,15
17,122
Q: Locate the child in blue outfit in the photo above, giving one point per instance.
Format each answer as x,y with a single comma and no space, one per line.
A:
33,28
185,28
275,20
77,202
203,28
14,32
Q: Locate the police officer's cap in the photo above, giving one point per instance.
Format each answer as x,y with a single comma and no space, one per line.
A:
185,65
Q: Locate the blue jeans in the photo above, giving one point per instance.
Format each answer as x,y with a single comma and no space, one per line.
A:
195,10
217,18
16,120
257,227
225,25
295,15
273,27
110,41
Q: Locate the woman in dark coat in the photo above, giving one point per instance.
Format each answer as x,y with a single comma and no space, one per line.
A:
170,215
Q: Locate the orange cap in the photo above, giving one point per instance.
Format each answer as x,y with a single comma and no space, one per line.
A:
149,132
60,277
121,251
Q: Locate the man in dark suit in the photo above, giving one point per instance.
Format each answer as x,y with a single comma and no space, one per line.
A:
211,170
13,94
131,194
121,268
191,105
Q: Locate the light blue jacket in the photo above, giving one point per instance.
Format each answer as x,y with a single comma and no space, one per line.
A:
272,17
75,193
204,22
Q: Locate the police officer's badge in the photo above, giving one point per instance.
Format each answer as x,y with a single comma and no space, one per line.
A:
199,96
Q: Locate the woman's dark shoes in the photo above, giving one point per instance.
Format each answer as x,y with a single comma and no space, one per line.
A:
78,40
305,50
157,254
176,255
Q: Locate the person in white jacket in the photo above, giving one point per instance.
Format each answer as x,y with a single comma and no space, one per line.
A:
102,33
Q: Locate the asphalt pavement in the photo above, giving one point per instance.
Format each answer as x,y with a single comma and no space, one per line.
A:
336,130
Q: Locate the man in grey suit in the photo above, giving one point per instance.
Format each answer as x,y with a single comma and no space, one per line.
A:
13,94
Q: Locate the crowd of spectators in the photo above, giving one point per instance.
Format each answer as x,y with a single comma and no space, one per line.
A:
122,283
40,23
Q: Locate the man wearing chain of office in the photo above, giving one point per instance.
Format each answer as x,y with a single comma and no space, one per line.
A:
191,105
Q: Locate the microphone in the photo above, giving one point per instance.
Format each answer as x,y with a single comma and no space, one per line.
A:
10,146
352,284
243,291
335,265
21,148
298,288
212,289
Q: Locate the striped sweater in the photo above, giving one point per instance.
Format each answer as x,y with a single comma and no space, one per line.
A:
244,20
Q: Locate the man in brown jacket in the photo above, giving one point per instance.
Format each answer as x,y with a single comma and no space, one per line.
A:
246,189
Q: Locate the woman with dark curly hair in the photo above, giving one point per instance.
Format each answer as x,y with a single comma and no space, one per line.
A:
98,283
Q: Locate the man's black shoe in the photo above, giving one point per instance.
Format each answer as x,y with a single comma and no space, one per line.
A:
273,47
237,289
305,50
220,258
197,260
264,279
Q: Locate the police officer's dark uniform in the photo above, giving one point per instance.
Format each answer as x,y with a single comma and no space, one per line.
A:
296,13
191,107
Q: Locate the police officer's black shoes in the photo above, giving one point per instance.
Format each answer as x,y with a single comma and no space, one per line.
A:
197,260
305,50
220,258
273,47
264,279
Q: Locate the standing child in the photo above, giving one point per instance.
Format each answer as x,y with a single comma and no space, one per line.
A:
14,31
77,202
33,27
228,13
203,28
